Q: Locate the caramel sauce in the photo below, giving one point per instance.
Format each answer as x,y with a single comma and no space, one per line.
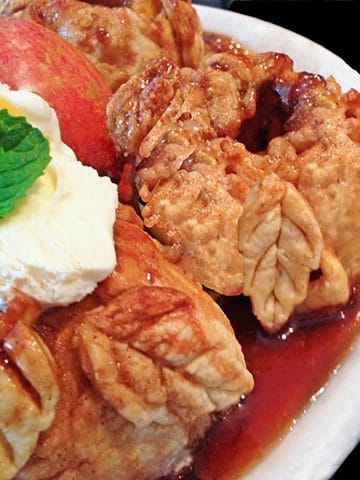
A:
217,43
289,369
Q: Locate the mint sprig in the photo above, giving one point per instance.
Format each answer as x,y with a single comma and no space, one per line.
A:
24,154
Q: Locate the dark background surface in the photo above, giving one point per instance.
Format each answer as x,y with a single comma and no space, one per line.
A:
336,26
333,24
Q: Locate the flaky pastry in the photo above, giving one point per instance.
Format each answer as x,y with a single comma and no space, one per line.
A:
143,364
121,40
219,133
28,382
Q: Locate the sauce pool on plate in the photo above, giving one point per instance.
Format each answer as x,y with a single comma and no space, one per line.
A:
289,369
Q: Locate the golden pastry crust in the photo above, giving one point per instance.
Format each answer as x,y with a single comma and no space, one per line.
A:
281,242
121,40
28,383
143,364
203,151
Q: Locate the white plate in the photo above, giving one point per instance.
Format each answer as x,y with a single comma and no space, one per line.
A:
325,435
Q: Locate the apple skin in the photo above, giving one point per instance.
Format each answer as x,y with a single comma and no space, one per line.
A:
37,59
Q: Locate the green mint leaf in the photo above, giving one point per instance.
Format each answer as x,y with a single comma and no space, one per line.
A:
24,154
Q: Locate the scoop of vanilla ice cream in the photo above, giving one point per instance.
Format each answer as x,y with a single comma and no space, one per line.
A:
58,242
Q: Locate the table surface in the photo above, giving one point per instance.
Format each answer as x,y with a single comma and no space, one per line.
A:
333,24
